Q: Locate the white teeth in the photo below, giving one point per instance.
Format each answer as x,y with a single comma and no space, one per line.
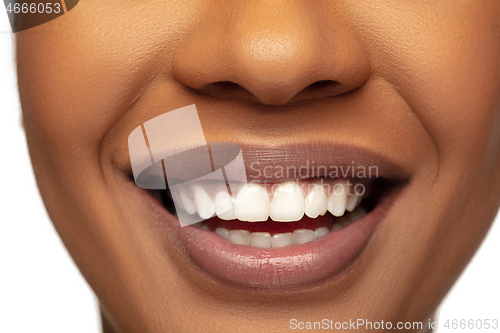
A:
240,237
303,236
337,200
222,232
320,232
224,206
189,206
204,205
260,239
356,214
315,202
177,199
288,203
280,240
299,236
252,203
352,202
265,240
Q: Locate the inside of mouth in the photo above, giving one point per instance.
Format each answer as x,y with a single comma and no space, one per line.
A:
273,227
271,233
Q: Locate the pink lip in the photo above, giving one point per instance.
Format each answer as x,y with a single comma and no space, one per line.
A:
285,268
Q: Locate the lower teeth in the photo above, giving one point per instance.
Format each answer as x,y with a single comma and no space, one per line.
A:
299,236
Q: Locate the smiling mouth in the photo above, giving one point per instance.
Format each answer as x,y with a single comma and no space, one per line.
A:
281,234
274,215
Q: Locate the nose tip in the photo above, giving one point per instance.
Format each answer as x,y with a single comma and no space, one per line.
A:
274,70
272,62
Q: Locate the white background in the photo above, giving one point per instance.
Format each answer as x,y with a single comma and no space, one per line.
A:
41,289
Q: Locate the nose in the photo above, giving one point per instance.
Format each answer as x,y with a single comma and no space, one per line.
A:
272,53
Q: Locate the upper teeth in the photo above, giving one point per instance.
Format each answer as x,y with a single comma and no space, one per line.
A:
288,203
253,202
315,202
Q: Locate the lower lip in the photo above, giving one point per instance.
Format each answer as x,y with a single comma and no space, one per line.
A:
288,268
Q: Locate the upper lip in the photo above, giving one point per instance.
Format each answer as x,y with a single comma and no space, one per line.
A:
310,156
310,160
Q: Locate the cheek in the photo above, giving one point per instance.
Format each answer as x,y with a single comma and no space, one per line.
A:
456,91
89,71
444,59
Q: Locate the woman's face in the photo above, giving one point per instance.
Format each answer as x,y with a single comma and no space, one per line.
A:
410,87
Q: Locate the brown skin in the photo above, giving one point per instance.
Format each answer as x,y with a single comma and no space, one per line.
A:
419,80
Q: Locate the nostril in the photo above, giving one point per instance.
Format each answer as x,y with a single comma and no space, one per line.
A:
233,90
323,85
226,85
225,89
